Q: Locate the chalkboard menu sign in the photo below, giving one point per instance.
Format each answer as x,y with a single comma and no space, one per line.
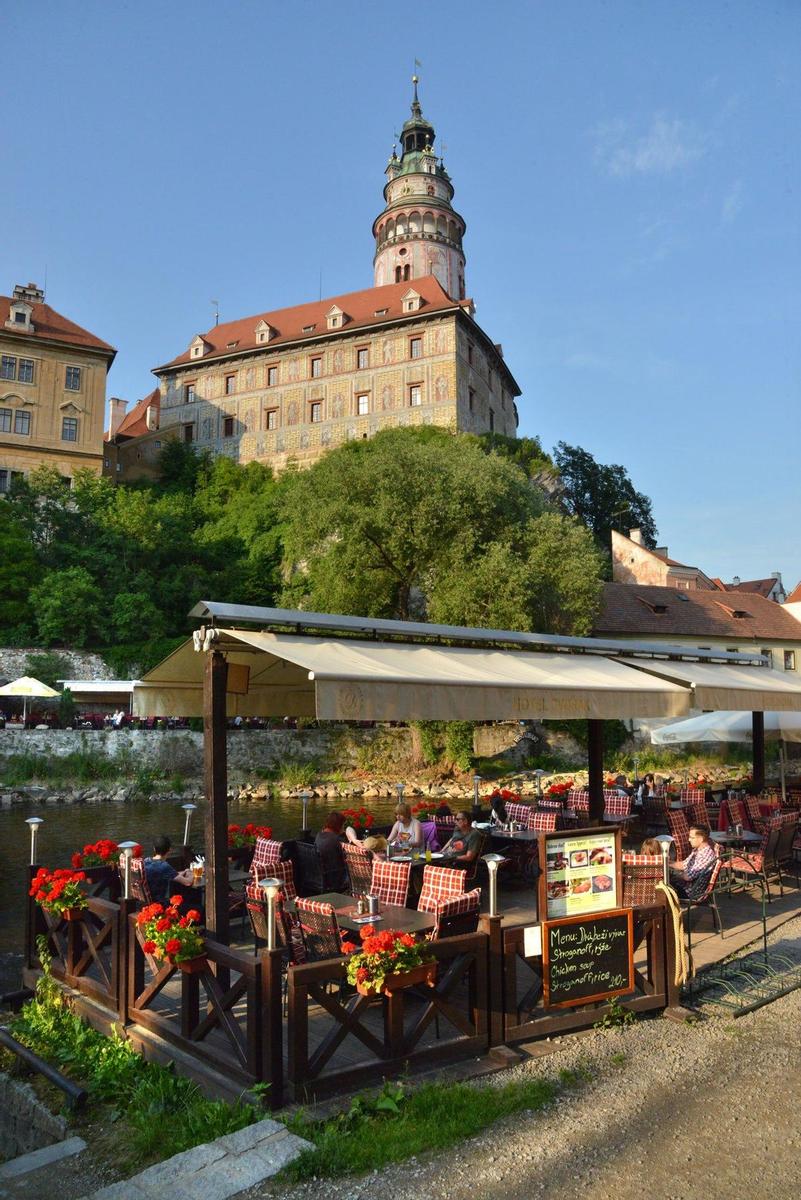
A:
587,958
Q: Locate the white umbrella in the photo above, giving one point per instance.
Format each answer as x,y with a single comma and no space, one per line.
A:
728,727
27,686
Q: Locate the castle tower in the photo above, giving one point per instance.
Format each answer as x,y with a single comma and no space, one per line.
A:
419,232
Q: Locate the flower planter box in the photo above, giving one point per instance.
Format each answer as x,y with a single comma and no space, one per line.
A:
193,966
426,973
73,914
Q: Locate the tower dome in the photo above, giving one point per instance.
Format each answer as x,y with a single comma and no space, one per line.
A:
419,232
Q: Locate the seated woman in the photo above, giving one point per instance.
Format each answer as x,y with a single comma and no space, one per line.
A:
407,830
646,788
651,846
498,815
328,845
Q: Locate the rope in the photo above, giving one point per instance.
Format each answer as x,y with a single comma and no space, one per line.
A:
684,963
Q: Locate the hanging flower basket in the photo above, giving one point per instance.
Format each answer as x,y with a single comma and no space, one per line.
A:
59,892
426,974
192,966
170,937
73,914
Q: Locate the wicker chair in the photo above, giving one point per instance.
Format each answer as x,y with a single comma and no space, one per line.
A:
697,811
318,925
390,882
617,805
641,874
705,900
578,800
738,814
360,868
266,853
443,895
677,823
760,863
287,926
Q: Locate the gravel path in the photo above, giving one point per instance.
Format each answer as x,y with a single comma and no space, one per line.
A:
668,1110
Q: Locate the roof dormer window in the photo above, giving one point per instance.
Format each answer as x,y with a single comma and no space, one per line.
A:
335,318
309,328
411,301
231,345
19,317
264,332
198,347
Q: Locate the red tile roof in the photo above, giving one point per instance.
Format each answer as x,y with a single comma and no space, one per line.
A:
763,586
134,423
795,595
288,324
47,323
632,609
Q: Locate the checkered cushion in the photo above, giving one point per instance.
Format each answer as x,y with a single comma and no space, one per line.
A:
318,923
578,800
439,884
543,821
619,806
738,814
461,906
285,872
360,868
609,794
519,813
554,802
677,823
641,874
698,813
690,795
139,886
266,854
390,882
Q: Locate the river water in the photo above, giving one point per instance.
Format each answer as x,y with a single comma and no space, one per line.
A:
68,827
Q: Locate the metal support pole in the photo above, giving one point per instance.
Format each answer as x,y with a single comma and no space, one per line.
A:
595,764
758,737
215,772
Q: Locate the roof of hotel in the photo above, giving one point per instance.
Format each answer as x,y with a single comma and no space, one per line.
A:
643,610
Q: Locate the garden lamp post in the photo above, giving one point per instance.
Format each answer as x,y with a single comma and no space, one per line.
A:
476,796
33,824
127,850
539,773
400,788
665,841
271,888
493,861
188,809
305,798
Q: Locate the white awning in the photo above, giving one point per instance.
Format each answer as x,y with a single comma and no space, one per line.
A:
728,686
728,727
349,679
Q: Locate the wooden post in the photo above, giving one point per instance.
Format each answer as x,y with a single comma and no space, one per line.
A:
494,965
30,922
123,957
595,764
272,1027
215,775
758,741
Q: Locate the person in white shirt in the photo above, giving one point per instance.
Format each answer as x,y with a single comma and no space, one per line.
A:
407,830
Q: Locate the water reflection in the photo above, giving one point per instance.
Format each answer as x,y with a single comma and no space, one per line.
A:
68,828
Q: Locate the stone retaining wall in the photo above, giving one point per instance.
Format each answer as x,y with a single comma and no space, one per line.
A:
83,664
25,1123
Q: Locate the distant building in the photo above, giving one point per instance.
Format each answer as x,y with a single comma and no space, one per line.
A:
772,587
285,386
52,389
702,618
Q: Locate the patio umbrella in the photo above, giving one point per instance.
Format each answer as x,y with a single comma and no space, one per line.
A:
27,686
728,727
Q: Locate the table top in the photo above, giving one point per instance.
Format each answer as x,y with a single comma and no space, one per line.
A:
234,877
391,916
746,838
420,859
519,835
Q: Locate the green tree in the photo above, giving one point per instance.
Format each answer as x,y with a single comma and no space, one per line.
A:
526,452
68,607
135,618
48,667
602,497
373,526
19,570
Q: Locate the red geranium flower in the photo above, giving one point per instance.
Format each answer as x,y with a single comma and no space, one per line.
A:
148,947
173,946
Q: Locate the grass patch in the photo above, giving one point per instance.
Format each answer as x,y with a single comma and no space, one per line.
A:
156,1112
79,767
399,1123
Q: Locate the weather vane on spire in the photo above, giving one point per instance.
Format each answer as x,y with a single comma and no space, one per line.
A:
415,81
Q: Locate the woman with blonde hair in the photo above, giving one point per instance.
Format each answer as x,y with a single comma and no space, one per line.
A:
407,830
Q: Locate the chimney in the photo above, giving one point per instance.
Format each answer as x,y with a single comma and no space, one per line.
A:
635,535
32,294
116,413
663,550
777,575
736,581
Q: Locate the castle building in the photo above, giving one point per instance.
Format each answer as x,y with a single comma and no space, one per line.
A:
283,387
52,389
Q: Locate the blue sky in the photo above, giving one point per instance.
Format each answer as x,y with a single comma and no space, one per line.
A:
629,173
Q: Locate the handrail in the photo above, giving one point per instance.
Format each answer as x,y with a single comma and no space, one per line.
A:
76,1095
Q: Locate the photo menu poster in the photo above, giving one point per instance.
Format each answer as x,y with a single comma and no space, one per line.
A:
581,873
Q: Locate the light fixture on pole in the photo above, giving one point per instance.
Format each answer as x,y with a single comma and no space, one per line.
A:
188,809
33,824
400,788
665,842
476,795
539,773
127,850
493,861
636,766
305,798
271,888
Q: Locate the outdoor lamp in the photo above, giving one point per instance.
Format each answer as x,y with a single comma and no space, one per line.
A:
492,861
400,788
33,824
305,798
271,887
539,773
127,850
476,796
188,809
665,841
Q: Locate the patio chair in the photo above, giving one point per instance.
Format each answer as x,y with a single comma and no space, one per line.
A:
679,827
457,916
390,882
641,874
550,802
360,868
610,794
654,812
310,870
758,864
785,856
697,812
618,806
738,814
690,796
578,800
705,898
286,924
521,814
266,853
318,925
140,890
439,884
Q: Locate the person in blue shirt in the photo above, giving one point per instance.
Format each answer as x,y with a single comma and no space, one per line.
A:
161,875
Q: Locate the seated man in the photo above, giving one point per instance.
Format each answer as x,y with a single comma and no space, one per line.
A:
463,847
162,876
689,878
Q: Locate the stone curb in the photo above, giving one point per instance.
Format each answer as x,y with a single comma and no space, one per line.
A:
45,1156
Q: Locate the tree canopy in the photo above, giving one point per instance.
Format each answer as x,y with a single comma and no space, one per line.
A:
602,497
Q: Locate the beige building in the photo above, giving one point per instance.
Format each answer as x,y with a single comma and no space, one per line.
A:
284,387
634,562
52,389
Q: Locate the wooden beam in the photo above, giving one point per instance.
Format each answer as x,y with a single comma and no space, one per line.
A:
215,776
758,741
595,764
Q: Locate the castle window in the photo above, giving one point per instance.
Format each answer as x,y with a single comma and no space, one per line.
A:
72,379
316,368
362,358
272,376
25,370
470,354
789,660
189,433
271,418
22,423
415,395
189,393
5,420
415,347
316,411
363,404
492,420
69,429
230,385
471,398
228,426
8,367
20,317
